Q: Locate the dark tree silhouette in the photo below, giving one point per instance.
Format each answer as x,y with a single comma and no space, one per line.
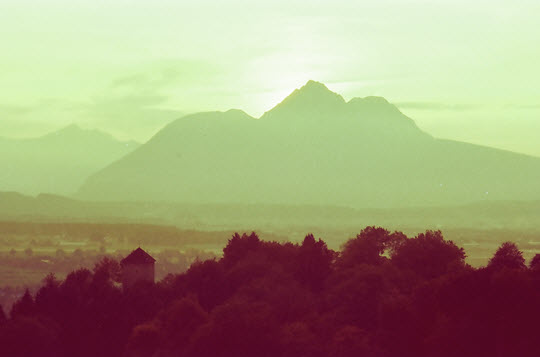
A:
207,281
429,255
48,296
237,328
26,336
535,263
351,341
508,256
239,246
145,341
292,300
25,306
299,339
314,262
369,246
108,269
170,333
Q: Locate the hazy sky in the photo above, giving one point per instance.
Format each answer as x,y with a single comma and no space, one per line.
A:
467,70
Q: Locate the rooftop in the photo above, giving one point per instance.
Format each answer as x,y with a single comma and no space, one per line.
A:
138,256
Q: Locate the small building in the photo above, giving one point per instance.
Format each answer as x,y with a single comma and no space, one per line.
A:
136,267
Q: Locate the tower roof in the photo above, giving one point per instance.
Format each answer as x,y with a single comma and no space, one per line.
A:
138,256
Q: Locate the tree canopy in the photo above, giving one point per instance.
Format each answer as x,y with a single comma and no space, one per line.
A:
382,295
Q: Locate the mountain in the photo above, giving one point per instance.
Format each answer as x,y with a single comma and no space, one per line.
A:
58,162
313,148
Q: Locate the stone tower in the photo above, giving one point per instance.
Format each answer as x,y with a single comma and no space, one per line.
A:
136,267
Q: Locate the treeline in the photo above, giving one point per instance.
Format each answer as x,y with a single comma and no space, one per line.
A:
20,269
383,294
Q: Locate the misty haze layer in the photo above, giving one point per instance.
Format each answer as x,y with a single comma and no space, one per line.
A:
58,162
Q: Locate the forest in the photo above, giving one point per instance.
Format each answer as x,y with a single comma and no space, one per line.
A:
381,294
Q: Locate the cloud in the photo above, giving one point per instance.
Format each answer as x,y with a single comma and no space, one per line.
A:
140,103
133,105
437,106
16,110
156,79
36,119
523,106
136,116
7,110
168,73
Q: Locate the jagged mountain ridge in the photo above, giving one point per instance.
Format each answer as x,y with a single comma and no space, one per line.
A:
313,148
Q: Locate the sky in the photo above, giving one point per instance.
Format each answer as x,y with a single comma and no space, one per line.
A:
463,70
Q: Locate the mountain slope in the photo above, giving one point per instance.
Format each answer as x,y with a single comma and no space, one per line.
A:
313,148
58,162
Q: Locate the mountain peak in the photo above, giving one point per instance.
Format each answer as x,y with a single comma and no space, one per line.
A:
71,128
317,89
67,131
314,84
311,97
75,129
75,134
314,92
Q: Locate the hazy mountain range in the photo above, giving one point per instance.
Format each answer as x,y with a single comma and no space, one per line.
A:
313,148
287,219
58,162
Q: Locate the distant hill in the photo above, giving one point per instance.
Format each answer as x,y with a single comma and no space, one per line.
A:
313,148
290,220
58,162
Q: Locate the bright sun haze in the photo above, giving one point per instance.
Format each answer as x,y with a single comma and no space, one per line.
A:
464,71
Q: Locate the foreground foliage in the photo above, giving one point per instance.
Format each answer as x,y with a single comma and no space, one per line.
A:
383,294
